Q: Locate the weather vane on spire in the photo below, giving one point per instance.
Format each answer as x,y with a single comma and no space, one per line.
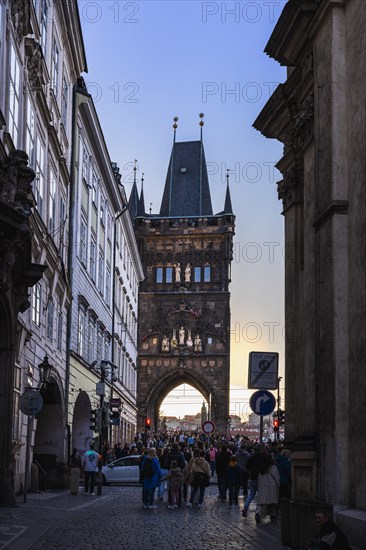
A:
228,176
175,126
201,115
134,171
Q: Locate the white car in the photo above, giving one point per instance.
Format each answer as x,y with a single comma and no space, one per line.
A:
122,470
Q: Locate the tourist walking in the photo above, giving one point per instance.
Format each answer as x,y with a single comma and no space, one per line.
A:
90,463
233,480
198,476
253,466
268,489
178,456
174,477
161,457
212,459
243,456
222,463
150,477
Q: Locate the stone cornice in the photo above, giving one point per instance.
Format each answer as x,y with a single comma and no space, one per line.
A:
334,208
289,37
287,102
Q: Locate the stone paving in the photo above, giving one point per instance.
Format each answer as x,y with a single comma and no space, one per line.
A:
117,520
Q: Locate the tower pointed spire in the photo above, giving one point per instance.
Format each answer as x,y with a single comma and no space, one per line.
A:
134,196
228,209
175,126
141,204
201,115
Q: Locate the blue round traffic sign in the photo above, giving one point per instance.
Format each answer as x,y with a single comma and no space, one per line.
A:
262,402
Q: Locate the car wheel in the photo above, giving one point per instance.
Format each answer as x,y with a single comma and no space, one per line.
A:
104,481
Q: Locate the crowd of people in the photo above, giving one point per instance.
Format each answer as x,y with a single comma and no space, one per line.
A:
187,460
183,463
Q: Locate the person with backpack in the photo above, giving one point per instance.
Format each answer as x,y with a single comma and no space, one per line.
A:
150,477
90,462
198,475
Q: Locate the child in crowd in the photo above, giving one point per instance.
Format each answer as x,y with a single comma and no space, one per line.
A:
174,477
233,479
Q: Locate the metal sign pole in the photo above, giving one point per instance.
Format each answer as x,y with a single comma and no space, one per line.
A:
27,455
261,429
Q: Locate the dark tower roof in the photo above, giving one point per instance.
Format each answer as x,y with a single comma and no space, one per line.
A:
141,203
133,201
187,191
228,209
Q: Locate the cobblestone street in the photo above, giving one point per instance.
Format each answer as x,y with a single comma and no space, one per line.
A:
116,519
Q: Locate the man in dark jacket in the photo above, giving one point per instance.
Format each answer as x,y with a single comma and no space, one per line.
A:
243,456
331,537
187,457
222,464
175,454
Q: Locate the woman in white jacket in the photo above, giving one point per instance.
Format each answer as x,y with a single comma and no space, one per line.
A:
268,489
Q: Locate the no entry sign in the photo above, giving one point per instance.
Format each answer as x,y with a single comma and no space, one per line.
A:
208,427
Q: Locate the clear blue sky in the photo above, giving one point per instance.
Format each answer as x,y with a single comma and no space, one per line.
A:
149,61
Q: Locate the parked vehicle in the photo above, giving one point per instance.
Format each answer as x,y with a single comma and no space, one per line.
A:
123,470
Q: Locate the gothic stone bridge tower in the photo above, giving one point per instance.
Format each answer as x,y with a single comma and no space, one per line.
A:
184,301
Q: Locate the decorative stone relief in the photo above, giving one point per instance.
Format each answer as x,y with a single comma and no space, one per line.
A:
307,64
20,18
34,67
301,131
15,182
9,250
304,123
290,190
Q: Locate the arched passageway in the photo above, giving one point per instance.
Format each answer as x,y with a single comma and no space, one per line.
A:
82,435
50,438
171,381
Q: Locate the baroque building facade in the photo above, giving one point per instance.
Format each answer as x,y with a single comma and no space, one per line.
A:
104,276
184,300
67,235
39,66
319,116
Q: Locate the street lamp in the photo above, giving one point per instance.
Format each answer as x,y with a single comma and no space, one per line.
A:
45,371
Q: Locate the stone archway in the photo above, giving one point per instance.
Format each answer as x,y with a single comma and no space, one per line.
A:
82,436
49,451
168,383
